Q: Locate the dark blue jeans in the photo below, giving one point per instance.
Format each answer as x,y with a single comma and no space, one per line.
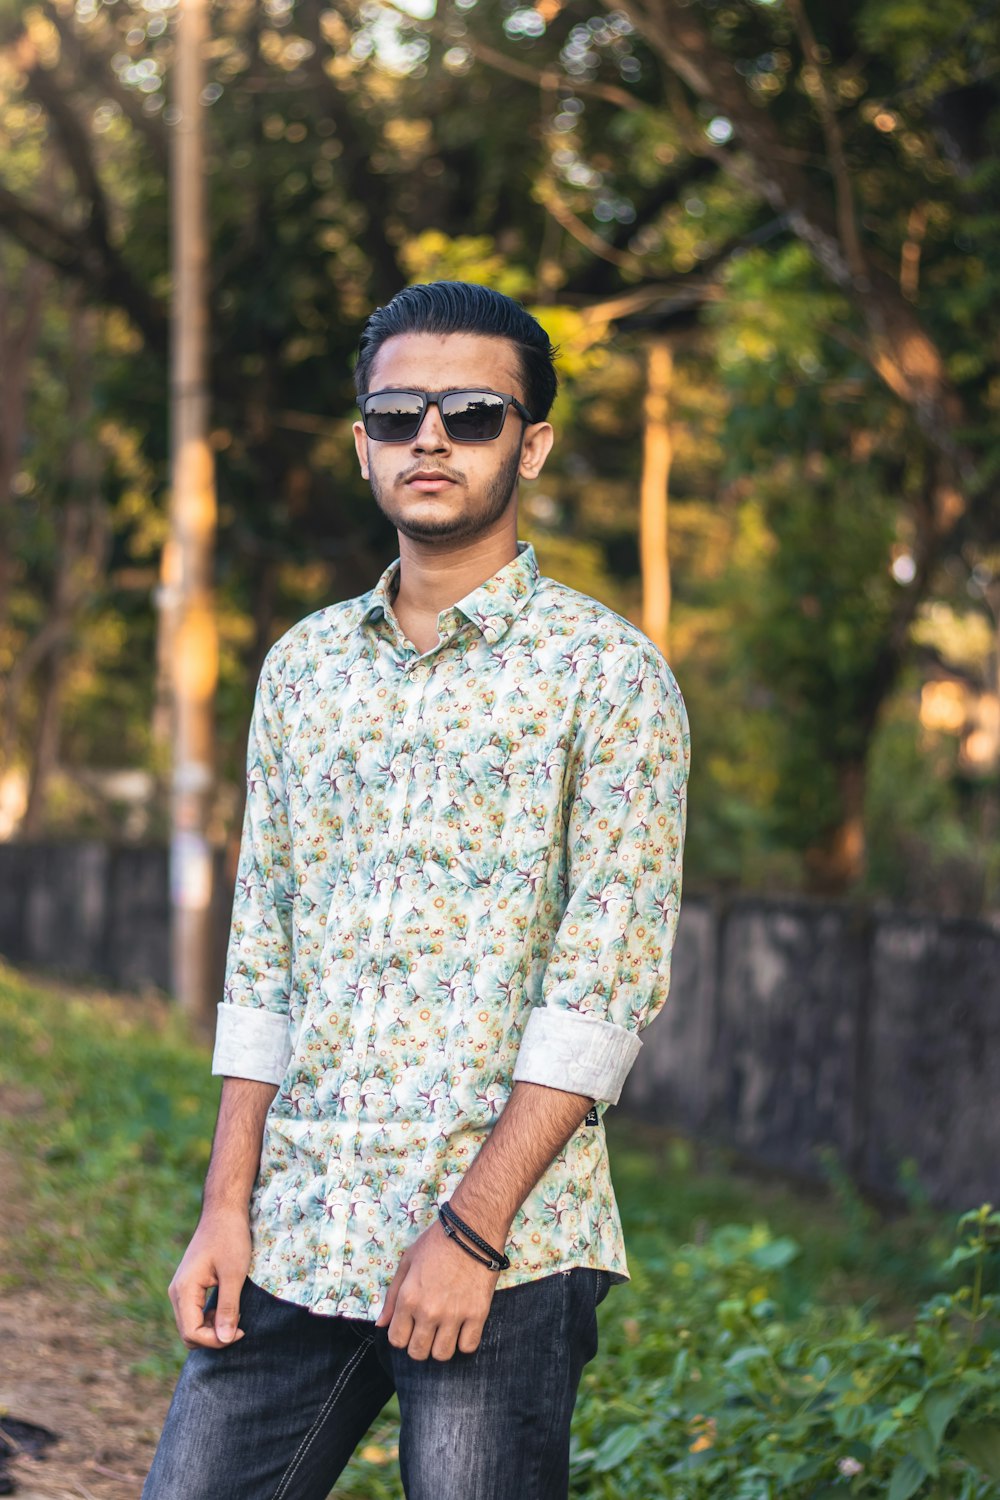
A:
278,1414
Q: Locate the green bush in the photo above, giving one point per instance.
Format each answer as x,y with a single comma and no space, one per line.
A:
710,1386
734,1366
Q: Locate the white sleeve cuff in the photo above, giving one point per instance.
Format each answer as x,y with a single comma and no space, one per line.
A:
252,1043
579,1054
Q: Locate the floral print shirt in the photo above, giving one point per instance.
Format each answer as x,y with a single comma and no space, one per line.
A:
458,869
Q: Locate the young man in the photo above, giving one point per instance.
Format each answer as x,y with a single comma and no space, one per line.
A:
457,897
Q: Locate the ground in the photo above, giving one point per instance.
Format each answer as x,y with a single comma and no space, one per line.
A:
66,1365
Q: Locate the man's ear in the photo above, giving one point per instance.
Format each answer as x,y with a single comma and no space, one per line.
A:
361,447
536,445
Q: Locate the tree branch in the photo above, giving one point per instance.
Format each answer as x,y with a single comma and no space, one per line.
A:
58,244
847,223
83,251
94,65
365,186
898,347
75,147
548,195
541,78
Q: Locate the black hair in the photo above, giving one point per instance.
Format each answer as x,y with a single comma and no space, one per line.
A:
464,307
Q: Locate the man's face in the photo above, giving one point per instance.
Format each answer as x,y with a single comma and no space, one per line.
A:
433,488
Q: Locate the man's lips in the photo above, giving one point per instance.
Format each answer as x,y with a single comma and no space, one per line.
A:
429,483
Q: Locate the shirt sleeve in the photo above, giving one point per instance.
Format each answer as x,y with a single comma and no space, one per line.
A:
609,970
252,1035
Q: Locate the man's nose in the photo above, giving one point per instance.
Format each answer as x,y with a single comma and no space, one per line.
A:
431,435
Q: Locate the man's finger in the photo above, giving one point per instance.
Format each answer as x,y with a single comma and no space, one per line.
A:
227,1308
206,1338
418,1345
419,1325
470,1337
443,1346
401,1327
389,1305
189,1306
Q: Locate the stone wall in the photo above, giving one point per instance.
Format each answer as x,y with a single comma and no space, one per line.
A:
94,910
791,1025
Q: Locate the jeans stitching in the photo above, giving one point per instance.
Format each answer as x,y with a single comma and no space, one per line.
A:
313,1432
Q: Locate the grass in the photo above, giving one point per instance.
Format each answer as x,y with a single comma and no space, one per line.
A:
108,1108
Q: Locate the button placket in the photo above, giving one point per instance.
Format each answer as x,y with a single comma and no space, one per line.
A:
407,712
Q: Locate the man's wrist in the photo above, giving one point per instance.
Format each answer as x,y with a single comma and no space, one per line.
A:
490,1224
214,1208
470,1240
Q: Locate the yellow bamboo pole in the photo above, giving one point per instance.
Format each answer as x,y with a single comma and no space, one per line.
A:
193,633
657,453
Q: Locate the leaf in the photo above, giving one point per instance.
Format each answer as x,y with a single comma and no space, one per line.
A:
749,1351
909,1403
938,1409
907,1477
617,1447
884,1431
680,1369
963,1253
924,1450
775,1254
980,1444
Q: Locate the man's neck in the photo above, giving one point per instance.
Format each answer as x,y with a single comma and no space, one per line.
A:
433,578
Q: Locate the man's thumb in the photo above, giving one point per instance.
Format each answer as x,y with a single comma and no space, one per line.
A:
227,1311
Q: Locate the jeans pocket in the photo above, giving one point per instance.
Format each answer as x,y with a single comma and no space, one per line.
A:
602,1285
363,1331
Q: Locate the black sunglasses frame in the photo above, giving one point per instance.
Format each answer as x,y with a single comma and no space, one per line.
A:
434,398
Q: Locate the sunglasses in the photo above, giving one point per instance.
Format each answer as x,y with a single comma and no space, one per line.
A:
467,416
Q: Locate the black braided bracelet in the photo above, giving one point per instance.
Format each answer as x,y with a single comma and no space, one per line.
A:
453,1226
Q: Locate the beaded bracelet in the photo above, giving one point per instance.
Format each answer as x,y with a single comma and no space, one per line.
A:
453,1226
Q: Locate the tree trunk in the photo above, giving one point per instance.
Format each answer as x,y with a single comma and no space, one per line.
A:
838,862
18,342
83,544
193,633
45,752
657,452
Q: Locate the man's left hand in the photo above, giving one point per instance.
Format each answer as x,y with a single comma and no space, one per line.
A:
438,1299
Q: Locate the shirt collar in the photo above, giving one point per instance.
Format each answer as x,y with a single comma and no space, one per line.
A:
492,607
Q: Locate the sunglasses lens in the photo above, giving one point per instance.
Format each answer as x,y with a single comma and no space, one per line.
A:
392,416
473,416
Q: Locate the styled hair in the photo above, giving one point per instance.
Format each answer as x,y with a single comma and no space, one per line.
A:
464,307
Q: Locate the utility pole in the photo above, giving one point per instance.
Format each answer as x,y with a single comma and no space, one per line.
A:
657,453
187,594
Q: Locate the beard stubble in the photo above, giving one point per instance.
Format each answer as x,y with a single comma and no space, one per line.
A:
470,522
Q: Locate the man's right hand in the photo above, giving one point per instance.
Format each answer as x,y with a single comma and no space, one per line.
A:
218,1255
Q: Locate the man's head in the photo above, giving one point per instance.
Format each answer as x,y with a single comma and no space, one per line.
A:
435,468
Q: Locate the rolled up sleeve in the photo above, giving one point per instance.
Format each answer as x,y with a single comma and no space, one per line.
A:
252,1033
609,970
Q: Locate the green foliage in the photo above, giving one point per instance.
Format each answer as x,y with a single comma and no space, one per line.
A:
737,1362
548,152
112,1120
714,1383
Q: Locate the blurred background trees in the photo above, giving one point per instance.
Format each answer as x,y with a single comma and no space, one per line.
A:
794,204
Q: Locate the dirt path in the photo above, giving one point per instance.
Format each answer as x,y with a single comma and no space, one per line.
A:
65,1364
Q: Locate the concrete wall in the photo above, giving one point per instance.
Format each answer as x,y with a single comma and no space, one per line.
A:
95,910
791,1025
